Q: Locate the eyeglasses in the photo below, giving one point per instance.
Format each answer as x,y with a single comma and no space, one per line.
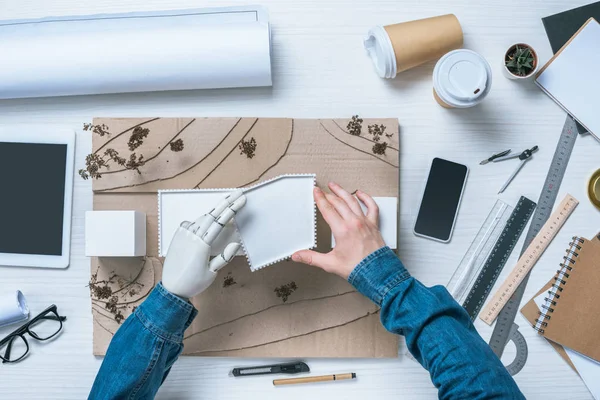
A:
45,326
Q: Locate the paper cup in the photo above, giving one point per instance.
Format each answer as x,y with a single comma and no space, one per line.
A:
461,79
396,48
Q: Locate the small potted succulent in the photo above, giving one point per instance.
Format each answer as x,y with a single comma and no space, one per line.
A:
520,61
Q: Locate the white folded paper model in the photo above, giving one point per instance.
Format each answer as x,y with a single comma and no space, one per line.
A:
279,218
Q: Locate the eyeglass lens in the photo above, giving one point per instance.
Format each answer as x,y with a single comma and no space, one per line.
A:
15,349
45,327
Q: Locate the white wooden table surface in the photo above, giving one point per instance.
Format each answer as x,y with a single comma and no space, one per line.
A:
321,70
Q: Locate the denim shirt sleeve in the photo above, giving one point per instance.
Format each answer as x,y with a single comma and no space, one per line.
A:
438,331
144,348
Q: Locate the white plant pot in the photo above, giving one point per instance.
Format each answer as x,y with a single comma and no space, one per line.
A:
510,75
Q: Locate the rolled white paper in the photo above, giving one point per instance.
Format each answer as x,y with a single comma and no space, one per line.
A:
13,308
135,52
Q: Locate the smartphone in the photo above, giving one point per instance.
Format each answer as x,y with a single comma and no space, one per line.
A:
441,199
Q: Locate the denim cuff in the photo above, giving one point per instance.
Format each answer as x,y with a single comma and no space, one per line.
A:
377,274
165,314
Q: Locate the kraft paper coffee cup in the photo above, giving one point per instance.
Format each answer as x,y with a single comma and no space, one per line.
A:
461,79
396,48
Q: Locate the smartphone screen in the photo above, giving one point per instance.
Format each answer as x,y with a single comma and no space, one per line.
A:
441,199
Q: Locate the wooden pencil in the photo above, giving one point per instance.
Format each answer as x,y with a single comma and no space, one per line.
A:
312,379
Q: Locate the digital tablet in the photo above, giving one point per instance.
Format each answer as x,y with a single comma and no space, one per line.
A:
36,193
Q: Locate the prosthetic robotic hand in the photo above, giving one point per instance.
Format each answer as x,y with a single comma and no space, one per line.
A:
188,269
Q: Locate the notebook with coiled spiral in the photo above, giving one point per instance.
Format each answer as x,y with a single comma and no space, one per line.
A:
565,310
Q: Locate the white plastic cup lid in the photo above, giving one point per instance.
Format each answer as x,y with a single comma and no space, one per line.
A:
380,50
462,78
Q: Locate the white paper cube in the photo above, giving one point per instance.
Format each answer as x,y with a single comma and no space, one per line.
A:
388,220
115,233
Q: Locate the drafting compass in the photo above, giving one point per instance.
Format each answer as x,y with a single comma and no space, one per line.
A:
523,158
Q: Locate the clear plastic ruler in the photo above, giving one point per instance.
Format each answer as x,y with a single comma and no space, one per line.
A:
474,259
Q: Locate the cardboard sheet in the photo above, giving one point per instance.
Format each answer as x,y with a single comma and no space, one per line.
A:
241,314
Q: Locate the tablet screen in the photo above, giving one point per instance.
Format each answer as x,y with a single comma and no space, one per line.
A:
32,193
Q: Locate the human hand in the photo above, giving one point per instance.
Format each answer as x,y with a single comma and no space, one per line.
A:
356,235
188,269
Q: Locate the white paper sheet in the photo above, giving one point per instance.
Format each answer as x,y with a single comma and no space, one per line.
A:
13,308
573,78
277,220
588,369
388,220
135,52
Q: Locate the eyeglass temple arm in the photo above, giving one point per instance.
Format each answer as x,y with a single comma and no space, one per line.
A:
53,317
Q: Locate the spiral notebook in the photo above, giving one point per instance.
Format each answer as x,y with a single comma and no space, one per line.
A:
569,316
564,311
588,369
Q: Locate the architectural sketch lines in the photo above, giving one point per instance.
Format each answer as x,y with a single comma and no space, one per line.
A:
227,155
268,308
205,352
276,162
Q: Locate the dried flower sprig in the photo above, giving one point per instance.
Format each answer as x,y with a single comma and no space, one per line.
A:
355,126
95,163
376,131
248,147
112,299
177,145
285,291
379,148
137,137
228,280
135,162
100,130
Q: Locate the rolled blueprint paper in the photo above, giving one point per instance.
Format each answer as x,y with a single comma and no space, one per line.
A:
135,52
13,308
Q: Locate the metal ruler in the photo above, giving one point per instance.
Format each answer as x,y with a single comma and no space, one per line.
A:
498,256
506,330
479,250
529,258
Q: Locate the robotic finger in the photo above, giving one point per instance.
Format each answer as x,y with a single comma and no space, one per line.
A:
201,225
227,215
